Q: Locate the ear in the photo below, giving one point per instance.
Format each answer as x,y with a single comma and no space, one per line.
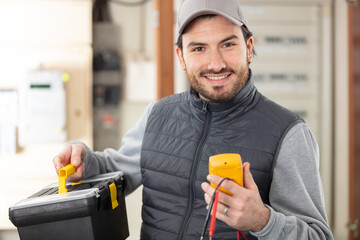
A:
250,47
181,58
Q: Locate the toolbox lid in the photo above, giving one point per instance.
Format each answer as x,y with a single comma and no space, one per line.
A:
56,198
116,176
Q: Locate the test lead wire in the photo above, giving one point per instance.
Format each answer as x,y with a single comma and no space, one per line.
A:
213,215
212,209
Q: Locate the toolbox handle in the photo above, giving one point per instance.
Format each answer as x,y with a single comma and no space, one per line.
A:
63,174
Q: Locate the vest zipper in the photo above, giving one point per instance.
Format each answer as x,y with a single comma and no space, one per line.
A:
194,168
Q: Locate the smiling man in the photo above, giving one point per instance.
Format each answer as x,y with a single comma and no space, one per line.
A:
169,148
217,65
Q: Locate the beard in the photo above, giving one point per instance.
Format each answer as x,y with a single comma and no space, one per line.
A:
218,93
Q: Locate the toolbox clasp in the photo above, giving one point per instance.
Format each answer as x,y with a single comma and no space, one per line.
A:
113,195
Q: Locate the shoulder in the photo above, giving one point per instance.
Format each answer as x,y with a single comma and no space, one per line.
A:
169,101
300,135
277,113
175,98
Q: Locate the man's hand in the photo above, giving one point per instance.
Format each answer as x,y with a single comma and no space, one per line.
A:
246,211
73,153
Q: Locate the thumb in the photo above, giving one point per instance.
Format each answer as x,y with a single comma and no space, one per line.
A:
249,182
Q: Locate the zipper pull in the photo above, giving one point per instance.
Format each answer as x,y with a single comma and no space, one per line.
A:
204,107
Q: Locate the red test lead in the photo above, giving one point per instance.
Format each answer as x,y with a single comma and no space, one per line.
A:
213,215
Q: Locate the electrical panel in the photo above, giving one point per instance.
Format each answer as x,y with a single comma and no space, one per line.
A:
288,68
293,66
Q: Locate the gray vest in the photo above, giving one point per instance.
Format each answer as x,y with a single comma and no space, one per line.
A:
182,133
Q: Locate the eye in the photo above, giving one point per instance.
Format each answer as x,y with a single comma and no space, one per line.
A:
198,49
229,44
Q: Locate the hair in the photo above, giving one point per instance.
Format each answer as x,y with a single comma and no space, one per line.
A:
246,32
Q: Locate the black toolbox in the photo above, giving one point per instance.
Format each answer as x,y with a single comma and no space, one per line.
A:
85,212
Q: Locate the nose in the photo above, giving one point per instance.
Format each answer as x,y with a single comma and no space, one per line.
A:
217,62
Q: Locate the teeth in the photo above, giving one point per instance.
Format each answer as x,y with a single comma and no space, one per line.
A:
217,78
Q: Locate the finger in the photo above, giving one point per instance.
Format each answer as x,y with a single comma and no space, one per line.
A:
221,209
222,217
78,175
209,192
207,188
77,153
207,198
220,213
229,185
57,163
248,179
62,159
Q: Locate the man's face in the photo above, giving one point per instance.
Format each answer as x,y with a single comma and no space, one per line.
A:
216,58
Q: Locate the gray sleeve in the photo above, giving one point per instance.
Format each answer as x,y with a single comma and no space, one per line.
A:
296,195
126,159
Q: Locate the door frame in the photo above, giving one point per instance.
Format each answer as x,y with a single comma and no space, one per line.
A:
354,115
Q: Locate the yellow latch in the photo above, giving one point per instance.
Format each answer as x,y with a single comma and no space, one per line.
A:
63,174
113,195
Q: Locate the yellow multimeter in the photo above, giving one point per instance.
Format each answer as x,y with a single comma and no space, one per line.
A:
227,165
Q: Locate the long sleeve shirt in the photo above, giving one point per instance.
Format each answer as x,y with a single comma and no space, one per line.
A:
296,213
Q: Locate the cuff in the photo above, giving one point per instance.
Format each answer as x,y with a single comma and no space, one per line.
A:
272,228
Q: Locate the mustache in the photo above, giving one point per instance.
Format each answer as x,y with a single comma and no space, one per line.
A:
224,70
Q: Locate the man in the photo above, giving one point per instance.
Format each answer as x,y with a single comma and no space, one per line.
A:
168,149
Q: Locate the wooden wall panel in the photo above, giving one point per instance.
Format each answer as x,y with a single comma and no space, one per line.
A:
165,48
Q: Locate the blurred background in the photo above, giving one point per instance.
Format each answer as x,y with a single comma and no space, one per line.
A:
86,70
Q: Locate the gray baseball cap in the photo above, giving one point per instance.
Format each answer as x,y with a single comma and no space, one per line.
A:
192,9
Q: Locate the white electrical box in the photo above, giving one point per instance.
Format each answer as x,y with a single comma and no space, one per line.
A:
288,66
42,116
293,64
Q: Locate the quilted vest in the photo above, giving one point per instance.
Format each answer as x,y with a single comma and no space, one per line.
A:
182,132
